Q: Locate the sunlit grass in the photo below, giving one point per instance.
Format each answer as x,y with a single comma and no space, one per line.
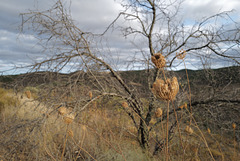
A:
101,132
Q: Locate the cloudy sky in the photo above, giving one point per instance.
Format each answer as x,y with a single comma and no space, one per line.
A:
92,15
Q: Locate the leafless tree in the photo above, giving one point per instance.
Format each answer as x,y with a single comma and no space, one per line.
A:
155,21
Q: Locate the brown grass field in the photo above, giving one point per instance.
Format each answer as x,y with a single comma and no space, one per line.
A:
40,129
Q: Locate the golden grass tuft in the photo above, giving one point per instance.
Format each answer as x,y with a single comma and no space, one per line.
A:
166,90
159,60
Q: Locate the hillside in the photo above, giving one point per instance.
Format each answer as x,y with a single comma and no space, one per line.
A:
48,116
219,76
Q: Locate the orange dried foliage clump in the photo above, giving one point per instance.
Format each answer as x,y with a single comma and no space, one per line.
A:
62,110
84,128
158,112
209,131
28,94
181,54
125,105
68,119
70,133
90,95
68,115
182,106
234,126
159,60
166,90
189,129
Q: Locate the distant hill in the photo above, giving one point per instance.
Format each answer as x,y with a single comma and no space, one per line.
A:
138,78
218,76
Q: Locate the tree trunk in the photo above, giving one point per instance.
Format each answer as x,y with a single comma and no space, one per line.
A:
143,135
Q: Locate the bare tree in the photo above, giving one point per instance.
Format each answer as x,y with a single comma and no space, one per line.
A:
158,23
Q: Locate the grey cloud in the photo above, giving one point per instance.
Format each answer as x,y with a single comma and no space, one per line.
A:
94,15
11,9
15,51
198,9
90,15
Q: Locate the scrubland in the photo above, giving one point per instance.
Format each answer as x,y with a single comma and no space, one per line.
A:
40,129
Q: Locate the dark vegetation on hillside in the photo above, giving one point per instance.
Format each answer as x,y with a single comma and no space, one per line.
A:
215,95
213,77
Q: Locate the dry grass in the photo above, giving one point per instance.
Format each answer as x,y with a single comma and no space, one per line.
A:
7,103
31,131
30,134
6,100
